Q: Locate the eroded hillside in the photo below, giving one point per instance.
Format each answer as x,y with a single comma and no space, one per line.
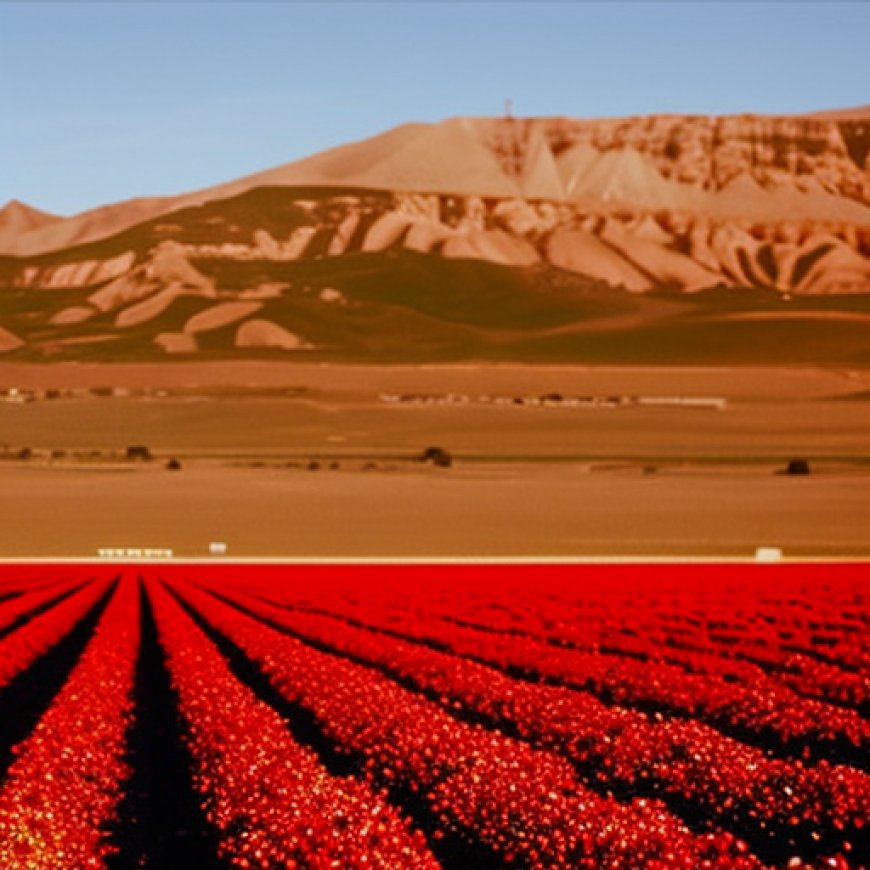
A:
497,238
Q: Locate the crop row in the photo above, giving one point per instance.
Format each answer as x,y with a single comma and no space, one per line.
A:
15,611
524,804
768,714
62,790
785,624
22,647
754,640
766,618
782,807
272,802
688,644
737,621
412,725
14,583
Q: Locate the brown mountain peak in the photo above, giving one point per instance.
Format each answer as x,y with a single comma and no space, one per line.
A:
19,217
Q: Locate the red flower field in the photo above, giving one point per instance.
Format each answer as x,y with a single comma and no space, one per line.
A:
410,716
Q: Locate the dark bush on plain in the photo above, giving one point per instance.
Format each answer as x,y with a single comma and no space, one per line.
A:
437,456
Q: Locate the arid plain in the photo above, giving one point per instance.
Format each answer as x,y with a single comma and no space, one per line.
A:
605,337
324,460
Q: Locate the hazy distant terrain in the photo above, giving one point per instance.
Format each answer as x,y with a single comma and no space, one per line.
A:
664,239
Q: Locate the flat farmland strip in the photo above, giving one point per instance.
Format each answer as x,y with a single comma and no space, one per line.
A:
525,804
22,647
768,716
270,799
782,807
62,790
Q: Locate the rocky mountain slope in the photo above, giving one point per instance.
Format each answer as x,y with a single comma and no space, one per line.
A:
498,238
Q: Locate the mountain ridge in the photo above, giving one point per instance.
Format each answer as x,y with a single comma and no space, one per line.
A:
502,238
18,217
485,156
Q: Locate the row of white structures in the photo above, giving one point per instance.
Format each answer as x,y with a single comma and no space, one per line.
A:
554,400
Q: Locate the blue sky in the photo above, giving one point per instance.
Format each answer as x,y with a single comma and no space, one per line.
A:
103,101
